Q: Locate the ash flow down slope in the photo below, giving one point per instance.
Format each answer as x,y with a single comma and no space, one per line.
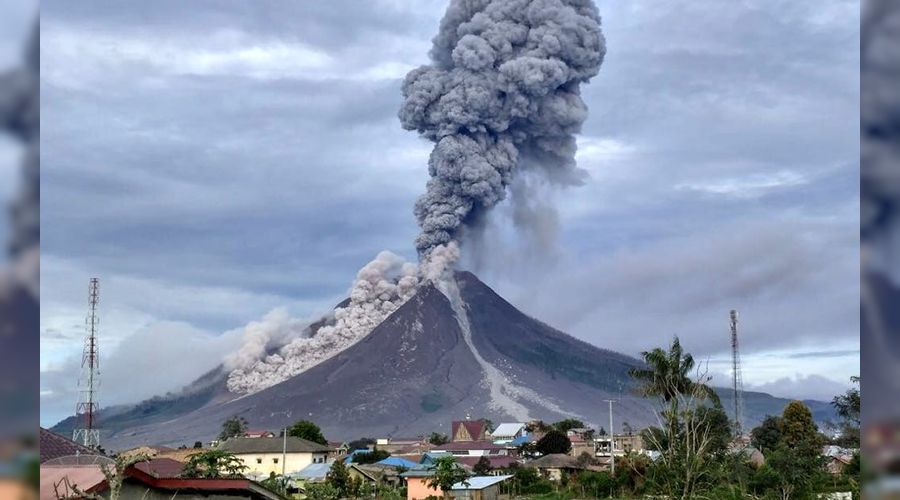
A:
414,373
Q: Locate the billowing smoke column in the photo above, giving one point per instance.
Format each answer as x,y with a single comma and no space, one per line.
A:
502,94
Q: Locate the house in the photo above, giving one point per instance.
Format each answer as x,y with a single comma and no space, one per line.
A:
836,464
259,434
472,448
154,479
312,473
508,432
498,463
407,445
53,446
377,474
555,466
266,455
622,444
417,487
479,488
469,430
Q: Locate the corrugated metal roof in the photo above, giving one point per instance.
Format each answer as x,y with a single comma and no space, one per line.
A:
313,471
271,445
507,429
480,482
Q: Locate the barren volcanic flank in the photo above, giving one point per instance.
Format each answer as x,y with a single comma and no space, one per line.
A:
414,373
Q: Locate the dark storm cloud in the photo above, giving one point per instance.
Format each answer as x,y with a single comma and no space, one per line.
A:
250,154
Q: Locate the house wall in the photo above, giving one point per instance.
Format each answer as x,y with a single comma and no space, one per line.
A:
295,462
417,489
141,492
489,493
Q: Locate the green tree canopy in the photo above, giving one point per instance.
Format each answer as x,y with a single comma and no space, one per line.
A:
798,430
212,464
554,442
447,473
438,439
667,374
233,427
482,467
338,477
305,429
568,424
767,435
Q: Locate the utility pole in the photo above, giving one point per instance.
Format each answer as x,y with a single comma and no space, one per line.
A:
736,378
283,452
612,440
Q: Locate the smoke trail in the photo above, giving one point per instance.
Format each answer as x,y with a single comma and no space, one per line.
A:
501,94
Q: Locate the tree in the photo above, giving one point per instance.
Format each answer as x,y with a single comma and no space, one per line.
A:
627,429
114,477
277,483
233,427
766,436
667,374
305,429
438,439
482,467
447,473
568,424
554,442
361,443
717,426
338,477
847,406
198,444
212,464
370,457
798,430
321,491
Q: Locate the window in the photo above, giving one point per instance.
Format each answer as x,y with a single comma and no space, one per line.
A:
275,460
259,460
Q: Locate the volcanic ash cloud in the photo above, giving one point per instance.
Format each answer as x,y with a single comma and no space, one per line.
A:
502,94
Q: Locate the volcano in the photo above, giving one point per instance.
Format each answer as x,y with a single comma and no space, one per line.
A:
426,364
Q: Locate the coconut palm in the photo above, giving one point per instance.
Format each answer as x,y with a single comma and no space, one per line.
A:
667,375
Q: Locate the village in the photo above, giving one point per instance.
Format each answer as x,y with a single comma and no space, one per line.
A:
479,460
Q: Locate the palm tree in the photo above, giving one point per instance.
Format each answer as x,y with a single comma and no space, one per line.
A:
667,375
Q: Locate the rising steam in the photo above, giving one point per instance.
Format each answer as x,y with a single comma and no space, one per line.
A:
501,94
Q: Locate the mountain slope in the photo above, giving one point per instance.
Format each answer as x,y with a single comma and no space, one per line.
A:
417,371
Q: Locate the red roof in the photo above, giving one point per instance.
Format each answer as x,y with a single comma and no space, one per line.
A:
476,428
52,445
161,467
469,445
496,461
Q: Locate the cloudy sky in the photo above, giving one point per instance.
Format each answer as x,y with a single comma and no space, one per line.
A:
212,161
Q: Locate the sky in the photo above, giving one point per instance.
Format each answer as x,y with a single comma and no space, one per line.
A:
213,161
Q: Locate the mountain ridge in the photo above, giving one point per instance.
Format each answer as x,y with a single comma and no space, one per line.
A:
415,372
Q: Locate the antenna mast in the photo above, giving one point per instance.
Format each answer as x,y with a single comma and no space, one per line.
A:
86,431
737,381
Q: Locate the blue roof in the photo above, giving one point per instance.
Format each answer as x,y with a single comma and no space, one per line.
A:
520,440
398,462
313,471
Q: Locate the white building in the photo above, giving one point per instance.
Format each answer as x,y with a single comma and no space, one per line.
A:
264,455
508,432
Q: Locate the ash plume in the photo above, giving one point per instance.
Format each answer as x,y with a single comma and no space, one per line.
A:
381,286
502,94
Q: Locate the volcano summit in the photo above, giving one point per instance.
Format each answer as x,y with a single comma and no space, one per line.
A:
415,372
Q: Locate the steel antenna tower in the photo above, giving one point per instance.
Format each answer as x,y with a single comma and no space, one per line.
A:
736,379
86,431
